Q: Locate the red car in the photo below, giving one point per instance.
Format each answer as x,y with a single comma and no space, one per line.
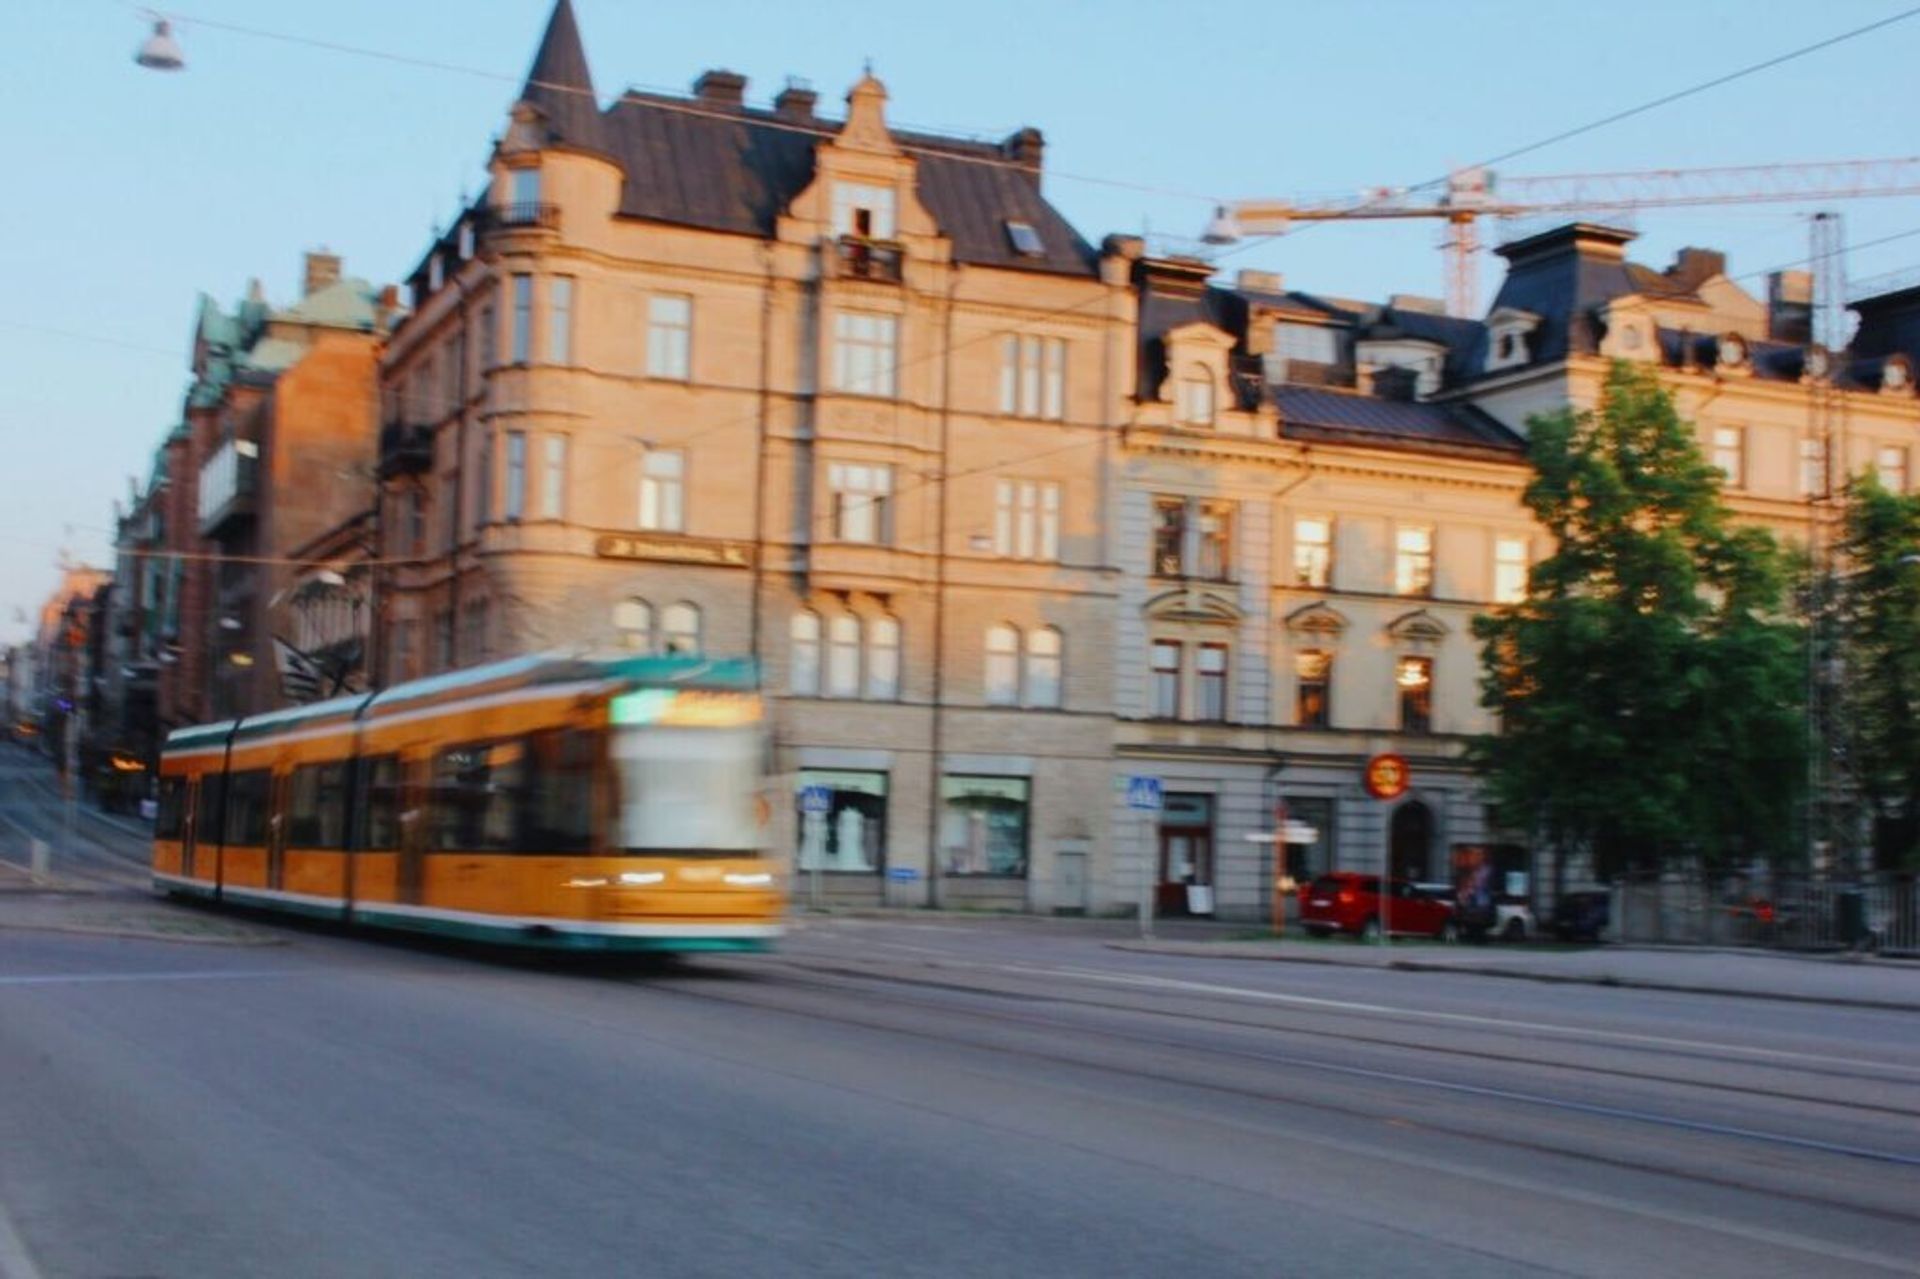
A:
1348,902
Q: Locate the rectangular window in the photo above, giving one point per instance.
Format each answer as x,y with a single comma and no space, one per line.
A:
1312,689
417,522
456,366
246,825
483,480
1414,676
1210,682
983,825
1026,521
489,340
206,812
556,807
1509,570
865,353
861,494
520,344
171,819
1213,528
670,336
560,319
1413,561
1166,679
1813,468
553,479
863,210
1169,536
471,801
1309,343
883,659
1033,377
524,187
1890,462
851,835
317,806
662,491
843,656
1730,454
1313,551
1002,675
516,506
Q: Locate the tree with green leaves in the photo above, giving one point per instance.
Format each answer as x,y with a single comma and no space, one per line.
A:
1876,640
1649,688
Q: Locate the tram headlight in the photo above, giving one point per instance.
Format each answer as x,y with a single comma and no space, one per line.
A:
749,879
638,877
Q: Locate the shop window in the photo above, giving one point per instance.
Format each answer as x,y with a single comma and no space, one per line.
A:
852,834
983,825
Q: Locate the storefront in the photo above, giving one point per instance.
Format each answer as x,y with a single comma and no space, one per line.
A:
1186,855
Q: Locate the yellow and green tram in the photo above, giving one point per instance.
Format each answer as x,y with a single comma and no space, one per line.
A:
560,802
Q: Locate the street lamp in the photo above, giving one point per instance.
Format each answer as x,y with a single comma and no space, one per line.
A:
1222,228
160,51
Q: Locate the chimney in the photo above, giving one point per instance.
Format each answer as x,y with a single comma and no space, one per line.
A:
1790,306
796,101
1395,382
386,308
1416,304
718,88
1026,147
1693,267
1249,280
323,269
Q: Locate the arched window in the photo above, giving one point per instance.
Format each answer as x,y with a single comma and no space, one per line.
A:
1196,396
803,654
883,659
1043,667
634,620
680,629
843,656
1003,666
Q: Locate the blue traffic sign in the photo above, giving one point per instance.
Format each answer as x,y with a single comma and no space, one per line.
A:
816,799
903,874
1143,793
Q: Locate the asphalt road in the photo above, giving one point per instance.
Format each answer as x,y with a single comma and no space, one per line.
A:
923,1098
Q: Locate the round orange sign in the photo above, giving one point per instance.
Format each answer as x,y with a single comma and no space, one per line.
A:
1387,777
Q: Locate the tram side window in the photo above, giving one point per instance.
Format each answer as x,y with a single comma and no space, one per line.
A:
206,813
247,807
556,810
476,789
381,812
167,823
317,806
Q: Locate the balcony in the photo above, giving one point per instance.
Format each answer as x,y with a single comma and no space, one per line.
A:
521,216
860,258
227,485
405,450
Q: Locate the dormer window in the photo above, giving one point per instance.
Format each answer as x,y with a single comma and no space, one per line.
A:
1025,240
863,211
1510,338
1196,397
466,241
436,274
1730,352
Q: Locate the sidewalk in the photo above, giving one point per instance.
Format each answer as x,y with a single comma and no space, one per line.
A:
1851,980
54,906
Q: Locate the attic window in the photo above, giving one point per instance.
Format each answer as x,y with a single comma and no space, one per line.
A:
863,211
466,240
1026,240
435,273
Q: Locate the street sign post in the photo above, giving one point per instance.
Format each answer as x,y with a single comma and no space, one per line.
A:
1144,795
815,803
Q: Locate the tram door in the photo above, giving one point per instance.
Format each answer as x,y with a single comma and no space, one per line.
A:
277,797
189,824
411,875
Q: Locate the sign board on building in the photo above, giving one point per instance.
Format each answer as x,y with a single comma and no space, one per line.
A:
902,874
1143,793
1387,777
685,550
816,799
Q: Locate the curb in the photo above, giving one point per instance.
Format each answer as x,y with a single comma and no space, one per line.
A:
1554,979
134,934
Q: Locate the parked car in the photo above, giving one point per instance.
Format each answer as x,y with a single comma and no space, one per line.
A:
1349,902
1582,916
1505,917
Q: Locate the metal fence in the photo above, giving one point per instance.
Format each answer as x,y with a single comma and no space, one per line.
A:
1789,912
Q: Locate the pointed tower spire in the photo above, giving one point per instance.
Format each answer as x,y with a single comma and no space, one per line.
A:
560,86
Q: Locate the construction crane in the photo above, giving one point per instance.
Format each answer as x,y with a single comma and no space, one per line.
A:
1471,194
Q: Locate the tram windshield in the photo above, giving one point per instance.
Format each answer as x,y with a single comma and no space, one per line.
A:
688,791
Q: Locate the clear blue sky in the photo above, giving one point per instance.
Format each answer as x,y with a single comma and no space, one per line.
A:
133,191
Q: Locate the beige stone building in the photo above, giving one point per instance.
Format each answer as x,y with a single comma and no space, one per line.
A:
697,376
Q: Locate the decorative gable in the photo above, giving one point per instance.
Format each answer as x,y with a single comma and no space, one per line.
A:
1317,619
1417,627
1195,604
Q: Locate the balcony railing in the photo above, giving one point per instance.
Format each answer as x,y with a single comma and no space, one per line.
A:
227,481
405,450
861,258
521,215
